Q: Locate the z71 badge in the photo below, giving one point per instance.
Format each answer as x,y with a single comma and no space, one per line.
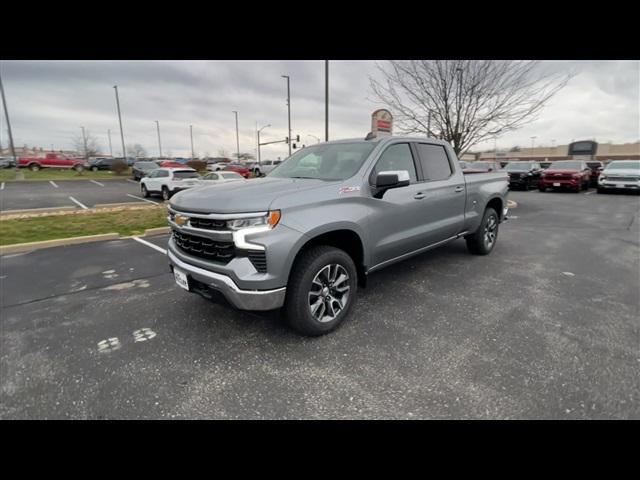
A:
348,190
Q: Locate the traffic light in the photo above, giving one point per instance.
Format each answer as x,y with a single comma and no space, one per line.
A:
295,146
298,139
286,140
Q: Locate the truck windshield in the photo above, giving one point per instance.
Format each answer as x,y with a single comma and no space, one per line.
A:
614,165
519,167
331,161
566,165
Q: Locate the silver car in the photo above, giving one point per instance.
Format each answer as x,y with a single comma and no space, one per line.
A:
620,175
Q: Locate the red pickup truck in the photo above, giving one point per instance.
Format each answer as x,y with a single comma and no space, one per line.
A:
51,160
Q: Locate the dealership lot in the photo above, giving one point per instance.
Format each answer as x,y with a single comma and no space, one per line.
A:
62,193
544,327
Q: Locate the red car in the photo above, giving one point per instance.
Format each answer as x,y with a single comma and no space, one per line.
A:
570,174
482,167
170,164
51,160
241,169
596,168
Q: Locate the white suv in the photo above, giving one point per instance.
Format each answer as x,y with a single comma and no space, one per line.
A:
266,166
167,181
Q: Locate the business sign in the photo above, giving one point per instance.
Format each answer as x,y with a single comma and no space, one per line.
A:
381,123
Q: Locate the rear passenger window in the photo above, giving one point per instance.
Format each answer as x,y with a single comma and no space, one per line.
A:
396,157
434,161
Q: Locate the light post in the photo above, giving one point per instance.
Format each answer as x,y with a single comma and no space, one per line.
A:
318,139
533,141
326,101
110,149
124,151
266,126
495,148
6,116
159,144
191,134
84,143
288,109
237,137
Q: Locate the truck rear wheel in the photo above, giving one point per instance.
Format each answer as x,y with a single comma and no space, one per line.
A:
322,287
34,167
482,241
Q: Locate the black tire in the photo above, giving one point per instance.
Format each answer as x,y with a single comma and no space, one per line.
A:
34,167
166,194
542,189
257,172
307,267
145,192
478,243
78,168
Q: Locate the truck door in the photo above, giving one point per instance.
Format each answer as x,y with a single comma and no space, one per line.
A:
444,192
400,221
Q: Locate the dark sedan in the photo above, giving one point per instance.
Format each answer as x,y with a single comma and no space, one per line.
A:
523,175
142,169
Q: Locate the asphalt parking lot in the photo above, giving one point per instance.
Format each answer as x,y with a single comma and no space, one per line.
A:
68,193
547,326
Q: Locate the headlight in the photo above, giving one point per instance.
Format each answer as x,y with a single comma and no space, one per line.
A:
269,220
602,177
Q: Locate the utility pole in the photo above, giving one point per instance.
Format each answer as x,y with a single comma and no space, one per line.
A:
533,140
288,108
237,137
6,116
124,151
326,101
110,149
84,142
266,126
429,124
191,133
159,144
495,148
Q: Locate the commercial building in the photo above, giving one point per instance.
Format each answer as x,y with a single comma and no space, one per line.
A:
604,152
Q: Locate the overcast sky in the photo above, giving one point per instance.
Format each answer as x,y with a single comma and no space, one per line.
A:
49,101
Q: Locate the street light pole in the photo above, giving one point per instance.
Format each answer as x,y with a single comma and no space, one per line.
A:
237,137
288,108
191,133
159,144
110,149
84,142
533,139
6,116
326,101
124,151
259,141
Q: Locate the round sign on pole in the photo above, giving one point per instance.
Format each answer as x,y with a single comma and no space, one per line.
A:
381,122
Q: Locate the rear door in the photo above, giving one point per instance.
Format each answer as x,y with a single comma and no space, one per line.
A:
444,192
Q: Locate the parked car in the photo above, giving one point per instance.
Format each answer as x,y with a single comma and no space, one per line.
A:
571,174
390,198
102,163
596,168
545,165
168,181
142,169
221,177
483,167
266,166
52,160
7,162
620,175
170,164
238,168
215,167
523,174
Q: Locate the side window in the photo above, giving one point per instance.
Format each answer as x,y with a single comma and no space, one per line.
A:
163,173
153,174
434,161
396,157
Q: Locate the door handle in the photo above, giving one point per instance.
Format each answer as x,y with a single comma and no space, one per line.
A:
419,196
459,189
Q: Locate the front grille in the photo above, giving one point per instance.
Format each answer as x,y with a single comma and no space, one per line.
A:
622,179
204,247
207,223
258,259
558,176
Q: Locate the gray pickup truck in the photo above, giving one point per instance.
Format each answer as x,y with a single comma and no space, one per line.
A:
307,235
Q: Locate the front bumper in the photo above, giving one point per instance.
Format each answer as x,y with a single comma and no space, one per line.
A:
573,183
241,299
617,185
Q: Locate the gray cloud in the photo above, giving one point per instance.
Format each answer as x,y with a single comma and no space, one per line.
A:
50,100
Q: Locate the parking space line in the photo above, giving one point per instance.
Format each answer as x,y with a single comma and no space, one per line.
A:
590,192
78,203
53,183
2,186
132,181
149,244
97,183
140,198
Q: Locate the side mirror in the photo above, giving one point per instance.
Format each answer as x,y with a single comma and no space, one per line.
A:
390,179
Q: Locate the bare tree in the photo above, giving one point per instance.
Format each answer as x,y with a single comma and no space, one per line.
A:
464,101
93,146
243,156
136,150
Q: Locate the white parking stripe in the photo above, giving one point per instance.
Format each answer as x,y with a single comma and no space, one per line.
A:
78,203
140,198
53,183
149,244
2,186
97,183
132,181
590,192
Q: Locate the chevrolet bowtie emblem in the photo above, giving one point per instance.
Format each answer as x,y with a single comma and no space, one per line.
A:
181,220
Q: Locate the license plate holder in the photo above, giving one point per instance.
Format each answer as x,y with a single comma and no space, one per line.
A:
556,184
181,278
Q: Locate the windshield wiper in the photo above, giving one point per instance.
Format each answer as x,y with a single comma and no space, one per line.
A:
312,178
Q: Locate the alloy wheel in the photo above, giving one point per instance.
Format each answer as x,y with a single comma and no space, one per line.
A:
329,292
490,231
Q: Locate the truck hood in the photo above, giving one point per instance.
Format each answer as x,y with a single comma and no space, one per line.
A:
621,172
564,171
240,197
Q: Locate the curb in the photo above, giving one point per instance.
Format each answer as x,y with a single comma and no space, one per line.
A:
123,204
512,204
60,242
37,210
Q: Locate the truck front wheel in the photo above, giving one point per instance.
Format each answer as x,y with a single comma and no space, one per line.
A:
322,287
482,241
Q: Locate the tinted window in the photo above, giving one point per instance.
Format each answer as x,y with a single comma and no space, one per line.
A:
434,161
162,173
185,174
396,157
